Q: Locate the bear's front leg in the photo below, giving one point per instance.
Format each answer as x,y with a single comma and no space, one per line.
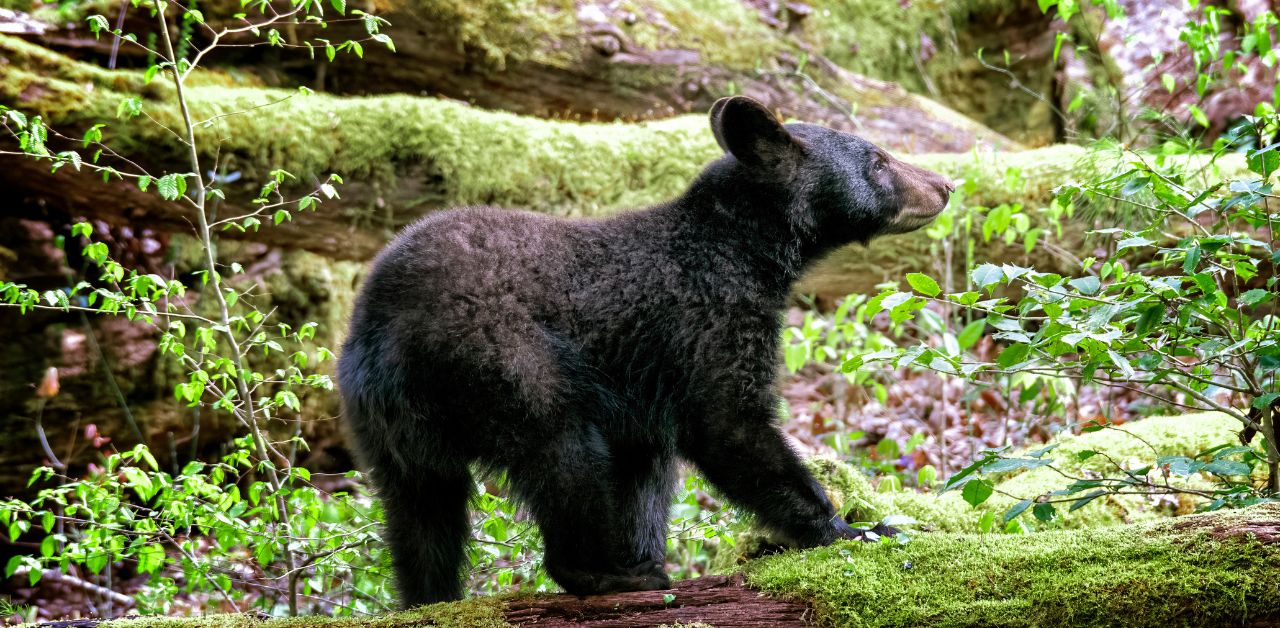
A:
744,455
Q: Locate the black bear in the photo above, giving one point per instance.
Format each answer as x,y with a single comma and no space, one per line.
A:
583,357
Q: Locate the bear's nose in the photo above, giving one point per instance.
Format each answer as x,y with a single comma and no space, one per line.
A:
949,185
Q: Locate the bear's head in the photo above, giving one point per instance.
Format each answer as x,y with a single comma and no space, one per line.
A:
847,188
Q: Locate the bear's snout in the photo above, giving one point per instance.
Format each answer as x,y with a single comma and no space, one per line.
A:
924,194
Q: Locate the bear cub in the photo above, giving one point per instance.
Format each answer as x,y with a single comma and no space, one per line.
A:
584,357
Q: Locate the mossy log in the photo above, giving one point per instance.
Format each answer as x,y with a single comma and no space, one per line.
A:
1197,570
404,156
549,58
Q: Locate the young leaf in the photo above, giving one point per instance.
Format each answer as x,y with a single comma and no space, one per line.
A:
1254,297
923,284
1017,509
987,274
1086,285
977,491
1044,512
971,333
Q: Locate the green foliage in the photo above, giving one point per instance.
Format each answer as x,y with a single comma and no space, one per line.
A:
700,529
200,529
1177,308
507,549
129,510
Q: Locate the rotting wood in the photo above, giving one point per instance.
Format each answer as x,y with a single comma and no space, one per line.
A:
721,601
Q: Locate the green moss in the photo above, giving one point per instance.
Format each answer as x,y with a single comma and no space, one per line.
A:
727,33
879,38
857,500
503,30
1185,435
1149,575
849,489
472,613
29,61
855,497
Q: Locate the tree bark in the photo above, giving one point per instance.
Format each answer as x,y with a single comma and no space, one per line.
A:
720,601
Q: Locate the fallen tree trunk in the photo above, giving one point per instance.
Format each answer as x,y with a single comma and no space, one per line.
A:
402,157
720,601
600,63
1211,569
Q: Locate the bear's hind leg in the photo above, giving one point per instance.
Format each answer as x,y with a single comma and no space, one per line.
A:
643,479
566,485
427,528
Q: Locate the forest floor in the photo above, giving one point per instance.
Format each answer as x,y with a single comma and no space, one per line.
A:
829,416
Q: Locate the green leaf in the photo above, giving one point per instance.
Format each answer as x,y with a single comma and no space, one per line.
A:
1044,512
1084,501
1150,317
1254,297
977,491
12,566
1039,453
1013,354
971,333
1004,465
171,186
1170,83
923,284
1263,401
97,252
1227,467
1134,242
1017,509
1264,161
1192,260
151,558
927,475
795,356
1179,465
1086,285
1205,282
96,561
987,274
1199,116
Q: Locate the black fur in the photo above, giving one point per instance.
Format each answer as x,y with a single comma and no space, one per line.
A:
585,356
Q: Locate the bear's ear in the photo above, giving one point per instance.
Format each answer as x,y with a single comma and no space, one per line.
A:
749,131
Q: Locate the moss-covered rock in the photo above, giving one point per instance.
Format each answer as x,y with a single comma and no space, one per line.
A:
856,499
1194,571
1186,435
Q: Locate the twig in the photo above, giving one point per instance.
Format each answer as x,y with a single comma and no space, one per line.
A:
80,583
